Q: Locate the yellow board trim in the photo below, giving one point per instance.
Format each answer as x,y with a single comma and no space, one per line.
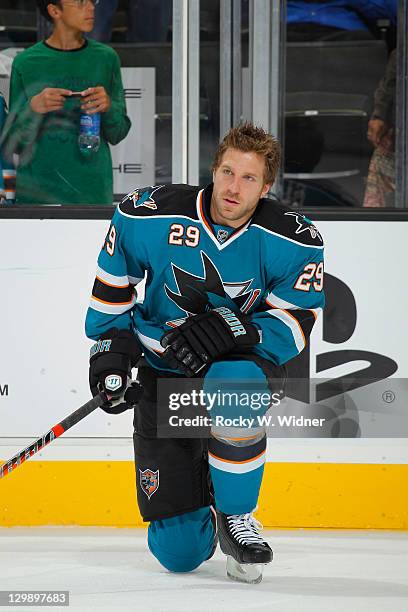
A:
314,495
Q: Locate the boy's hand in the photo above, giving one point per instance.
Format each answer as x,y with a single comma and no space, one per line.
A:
95,100
49,100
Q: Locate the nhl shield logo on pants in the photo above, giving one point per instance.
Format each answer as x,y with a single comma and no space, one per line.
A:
149,481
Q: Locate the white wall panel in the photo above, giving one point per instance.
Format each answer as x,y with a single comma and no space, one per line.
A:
46,273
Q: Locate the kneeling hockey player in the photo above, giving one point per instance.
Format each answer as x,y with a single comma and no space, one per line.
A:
234,283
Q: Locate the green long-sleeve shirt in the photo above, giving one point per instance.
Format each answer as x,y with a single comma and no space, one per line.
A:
52,169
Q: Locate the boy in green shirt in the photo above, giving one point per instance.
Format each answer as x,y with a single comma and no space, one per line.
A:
43,124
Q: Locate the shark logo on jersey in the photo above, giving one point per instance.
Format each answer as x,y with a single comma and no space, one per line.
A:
149,481
144,198
304,225
198,294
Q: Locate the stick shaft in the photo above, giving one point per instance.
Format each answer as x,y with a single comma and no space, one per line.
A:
55,432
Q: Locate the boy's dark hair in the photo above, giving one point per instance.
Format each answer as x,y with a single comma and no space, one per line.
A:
249,138
42,7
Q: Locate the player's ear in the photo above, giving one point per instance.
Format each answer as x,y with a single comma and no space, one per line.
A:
265,189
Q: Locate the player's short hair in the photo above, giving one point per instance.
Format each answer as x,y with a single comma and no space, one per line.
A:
42,7
248,137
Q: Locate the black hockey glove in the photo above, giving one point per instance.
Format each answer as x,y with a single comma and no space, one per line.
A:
205,337
110,365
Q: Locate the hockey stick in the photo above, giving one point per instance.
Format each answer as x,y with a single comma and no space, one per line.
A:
55,432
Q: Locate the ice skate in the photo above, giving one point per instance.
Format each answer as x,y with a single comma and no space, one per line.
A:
247,552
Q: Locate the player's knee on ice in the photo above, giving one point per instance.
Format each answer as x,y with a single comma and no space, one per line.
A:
182,543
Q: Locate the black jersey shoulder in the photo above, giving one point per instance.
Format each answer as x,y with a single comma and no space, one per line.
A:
161,200
287,222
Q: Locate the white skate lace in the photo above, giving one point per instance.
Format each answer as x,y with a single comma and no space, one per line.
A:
244,528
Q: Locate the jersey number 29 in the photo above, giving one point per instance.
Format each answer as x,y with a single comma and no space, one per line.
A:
180,235
312,275
110,241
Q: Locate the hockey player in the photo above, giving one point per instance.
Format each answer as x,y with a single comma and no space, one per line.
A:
234,283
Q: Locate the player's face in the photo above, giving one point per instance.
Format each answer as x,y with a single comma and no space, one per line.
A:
238,184
77,15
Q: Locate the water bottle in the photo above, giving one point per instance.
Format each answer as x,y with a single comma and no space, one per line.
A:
9,185
89,133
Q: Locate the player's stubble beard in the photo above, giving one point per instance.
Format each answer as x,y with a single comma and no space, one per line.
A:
233,215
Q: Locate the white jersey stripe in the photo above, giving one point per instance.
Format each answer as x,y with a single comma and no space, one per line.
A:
293,325
237,468
150,343
133,280
279,303
306,246
151,217
111,308
116,281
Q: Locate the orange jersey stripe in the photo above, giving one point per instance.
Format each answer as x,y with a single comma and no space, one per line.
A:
292,317
311,309
245,461
112,303
203,215
248,438
114,286
298,324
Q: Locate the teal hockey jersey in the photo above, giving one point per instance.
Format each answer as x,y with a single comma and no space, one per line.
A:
271,269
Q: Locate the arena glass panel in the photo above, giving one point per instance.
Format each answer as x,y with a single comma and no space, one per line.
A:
340,104
333,83
327,154
225,82
141,34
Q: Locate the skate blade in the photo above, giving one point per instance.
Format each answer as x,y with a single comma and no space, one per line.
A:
246,572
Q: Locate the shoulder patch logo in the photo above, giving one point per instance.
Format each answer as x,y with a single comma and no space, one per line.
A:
149,481
144,197
304,224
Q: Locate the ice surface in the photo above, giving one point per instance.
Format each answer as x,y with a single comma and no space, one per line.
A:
112,569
